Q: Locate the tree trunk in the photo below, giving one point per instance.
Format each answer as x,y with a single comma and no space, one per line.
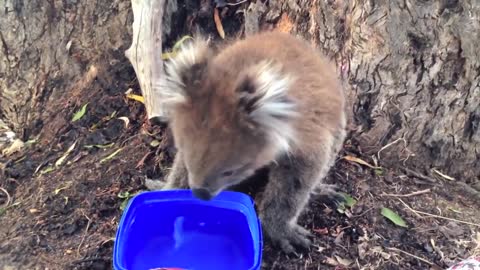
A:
411,68
412,75
48,48
47,45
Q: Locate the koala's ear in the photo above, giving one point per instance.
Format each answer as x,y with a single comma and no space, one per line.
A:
263,97
184,70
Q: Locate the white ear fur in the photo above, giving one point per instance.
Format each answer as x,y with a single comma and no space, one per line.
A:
273,109
171,87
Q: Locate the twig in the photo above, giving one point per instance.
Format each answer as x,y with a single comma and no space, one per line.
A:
147,40
390,144
237,3
409,194
419,175
85,234
437,216
449,178
411,255
365,212
90,260
8,196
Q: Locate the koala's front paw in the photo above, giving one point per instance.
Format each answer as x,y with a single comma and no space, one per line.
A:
289,237
154,184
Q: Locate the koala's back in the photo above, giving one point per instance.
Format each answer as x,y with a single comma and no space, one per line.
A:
316,88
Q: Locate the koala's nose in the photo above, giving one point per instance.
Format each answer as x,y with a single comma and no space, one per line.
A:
202,194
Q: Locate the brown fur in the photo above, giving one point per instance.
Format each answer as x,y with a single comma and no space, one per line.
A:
214,129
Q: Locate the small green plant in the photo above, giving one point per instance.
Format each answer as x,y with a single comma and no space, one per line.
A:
126,196
349,202
80,113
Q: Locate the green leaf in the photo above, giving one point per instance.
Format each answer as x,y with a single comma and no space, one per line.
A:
175,48
179,43
100,146
124,194
349,200
124,204
47,170
154,143
32,141
56,191
4,209
112,155
80,113
393,217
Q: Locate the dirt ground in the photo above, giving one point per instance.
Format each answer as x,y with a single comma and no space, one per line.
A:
65,217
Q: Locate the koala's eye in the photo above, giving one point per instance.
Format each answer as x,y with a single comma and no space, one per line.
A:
228,173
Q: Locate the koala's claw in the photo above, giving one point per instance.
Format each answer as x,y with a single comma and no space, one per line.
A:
329,195
292,239
303,231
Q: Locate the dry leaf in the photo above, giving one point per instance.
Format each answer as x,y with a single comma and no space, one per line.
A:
362,250
47,170
126,120
112,155
342,261
141,163
319,249
327,211
360,161
136,97
16,146
56,191
218,23
331,261
322,231
62,159
68,46
339,238
379,250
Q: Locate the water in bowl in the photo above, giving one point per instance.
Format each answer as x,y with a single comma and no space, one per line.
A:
191,238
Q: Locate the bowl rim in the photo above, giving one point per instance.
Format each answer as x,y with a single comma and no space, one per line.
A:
233,197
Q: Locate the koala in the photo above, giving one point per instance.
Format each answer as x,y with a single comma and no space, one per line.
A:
268,100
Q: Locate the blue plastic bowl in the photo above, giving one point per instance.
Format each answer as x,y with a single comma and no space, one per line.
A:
173,229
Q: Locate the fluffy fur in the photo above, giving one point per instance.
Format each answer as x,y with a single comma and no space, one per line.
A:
269,100
172,85
272,106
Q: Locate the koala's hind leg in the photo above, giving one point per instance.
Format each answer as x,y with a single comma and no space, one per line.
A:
328,193
290,185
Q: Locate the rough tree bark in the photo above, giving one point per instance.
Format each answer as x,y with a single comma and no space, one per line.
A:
412,74
411,68
48,46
